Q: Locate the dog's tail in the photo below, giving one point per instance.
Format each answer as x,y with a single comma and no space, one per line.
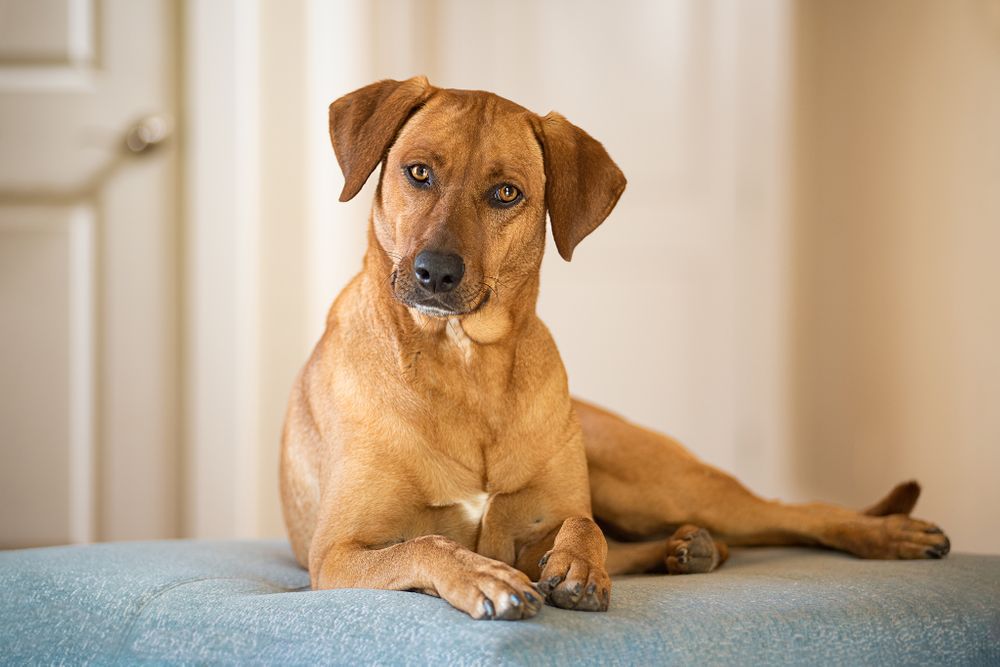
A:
901,500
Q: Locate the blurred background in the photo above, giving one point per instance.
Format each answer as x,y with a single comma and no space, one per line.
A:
811,235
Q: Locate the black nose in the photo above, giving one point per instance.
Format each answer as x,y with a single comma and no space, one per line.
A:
438,271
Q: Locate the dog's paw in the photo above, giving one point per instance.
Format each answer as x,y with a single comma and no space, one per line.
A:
569,581
487,589
900,537
912,538
504,597
691,550
502,593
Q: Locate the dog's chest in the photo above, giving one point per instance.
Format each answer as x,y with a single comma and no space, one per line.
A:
461,497
459,512
471,507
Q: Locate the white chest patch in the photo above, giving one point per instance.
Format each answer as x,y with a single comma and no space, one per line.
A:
457,335
475,506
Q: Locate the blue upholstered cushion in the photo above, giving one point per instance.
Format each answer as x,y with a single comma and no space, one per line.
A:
246,602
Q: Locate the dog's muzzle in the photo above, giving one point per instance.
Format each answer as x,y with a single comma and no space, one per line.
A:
434,286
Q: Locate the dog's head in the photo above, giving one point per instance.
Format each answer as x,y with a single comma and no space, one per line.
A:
466,181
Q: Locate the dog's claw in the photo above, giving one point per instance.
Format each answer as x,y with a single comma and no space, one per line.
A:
490,610
549,584
940,550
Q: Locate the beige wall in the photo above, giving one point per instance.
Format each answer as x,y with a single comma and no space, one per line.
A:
897,279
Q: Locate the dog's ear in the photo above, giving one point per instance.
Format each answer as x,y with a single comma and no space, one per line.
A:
363,125
582,182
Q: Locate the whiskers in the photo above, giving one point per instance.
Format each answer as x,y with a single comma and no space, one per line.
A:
486,287
495,287
396,259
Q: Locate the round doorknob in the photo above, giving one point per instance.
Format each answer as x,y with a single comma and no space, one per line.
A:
148,132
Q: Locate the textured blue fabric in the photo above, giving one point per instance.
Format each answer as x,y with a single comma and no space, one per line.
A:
247,602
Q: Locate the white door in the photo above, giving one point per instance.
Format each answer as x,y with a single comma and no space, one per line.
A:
89,423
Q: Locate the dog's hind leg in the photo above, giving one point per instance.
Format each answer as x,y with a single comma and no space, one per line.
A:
644,484
690,550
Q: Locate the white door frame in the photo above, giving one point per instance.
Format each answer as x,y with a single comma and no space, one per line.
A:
221,227
231,450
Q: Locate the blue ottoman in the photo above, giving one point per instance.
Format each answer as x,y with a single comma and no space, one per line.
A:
248,602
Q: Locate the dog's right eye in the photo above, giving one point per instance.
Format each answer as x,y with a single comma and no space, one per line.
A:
419,175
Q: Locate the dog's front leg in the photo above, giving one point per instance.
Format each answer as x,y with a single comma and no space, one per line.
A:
481,587
574,572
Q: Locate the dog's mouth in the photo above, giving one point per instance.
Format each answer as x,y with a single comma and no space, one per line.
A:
433,306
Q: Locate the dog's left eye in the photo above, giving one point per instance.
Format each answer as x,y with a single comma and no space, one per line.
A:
506,195
419,174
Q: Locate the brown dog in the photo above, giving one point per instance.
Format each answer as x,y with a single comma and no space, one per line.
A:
431,443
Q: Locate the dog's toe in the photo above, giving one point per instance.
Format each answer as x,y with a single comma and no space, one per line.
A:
939,550
594,598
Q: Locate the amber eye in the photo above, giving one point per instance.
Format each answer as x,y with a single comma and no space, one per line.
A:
506,194
419,173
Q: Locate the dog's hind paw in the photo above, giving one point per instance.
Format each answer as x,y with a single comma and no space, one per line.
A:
897,536
691,550
910,538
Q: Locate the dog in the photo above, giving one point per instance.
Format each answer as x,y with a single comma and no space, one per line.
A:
431,443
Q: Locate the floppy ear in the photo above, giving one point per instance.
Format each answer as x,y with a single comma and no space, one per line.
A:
363,125
582,182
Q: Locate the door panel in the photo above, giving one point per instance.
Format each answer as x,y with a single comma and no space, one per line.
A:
89,425
46,374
